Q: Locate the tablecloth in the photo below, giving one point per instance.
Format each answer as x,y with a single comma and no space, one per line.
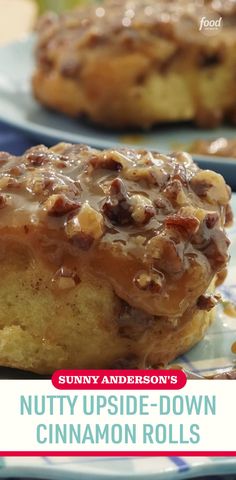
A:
14,141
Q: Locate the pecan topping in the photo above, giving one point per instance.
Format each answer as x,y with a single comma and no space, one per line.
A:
141,174
216,191
180,174
124,209
17,170
164,254
85,227
215,248
38,184
91,222
6,181
151,175
175,193
59,205
189,224
117,208
112,160
200,187
142,209
207,302
105,161
149,281
211,219
184,158
37,158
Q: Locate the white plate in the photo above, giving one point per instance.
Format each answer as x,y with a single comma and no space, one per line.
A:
18,108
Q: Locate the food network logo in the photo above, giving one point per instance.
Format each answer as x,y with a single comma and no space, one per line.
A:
210,25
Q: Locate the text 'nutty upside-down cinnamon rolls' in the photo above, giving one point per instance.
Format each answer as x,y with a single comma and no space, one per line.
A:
136,63
107,258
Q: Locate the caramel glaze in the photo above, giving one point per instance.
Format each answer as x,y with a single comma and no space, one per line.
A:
151,225
222,147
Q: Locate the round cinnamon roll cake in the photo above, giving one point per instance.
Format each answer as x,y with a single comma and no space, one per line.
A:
108,258
136,63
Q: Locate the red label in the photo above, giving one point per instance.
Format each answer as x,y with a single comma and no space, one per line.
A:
119,379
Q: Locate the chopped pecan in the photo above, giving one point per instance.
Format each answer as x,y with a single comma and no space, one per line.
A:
85,227
214,248
180,174
188,223
140,174
163,204
60,163
211,219
40,184
59,204
213,186
91,222
105,161
175,193
165,255
142,209
37,158
207,302
152,282
117,207
152,175
6,181
184,158
17,170
110,160
125,209
200,187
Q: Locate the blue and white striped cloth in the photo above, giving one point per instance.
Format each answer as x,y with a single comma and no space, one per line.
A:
13,141
167,468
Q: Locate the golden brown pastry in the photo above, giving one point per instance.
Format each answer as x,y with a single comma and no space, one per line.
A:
107,258
137,63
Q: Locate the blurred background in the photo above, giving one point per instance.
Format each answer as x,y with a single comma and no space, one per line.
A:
27,11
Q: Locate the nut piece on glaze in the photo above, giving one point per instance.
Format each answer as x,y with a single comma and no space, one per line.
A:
87,222
59,205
